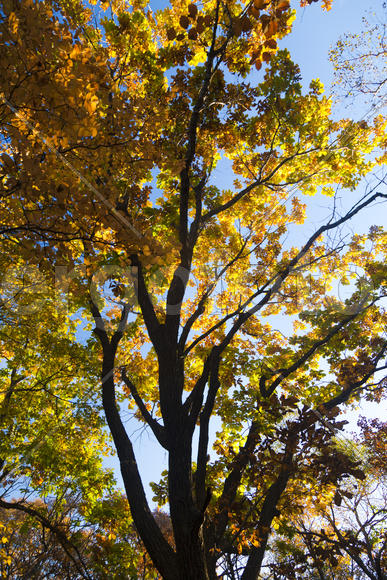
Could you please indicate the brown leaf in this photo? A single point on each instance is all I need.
(192, 10)
(272, 28)
(184, 21)
(254, 56)
(246, 24)
(359, 474)
(199, 26)
(7, 161)
(237, 27)
(271, 43)
(283, 5)
(192, 34)
(171, 33)
(254, 12)
(265, 19)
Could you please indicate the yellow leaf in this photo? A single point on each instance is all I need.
(199, 57)
(76, 51)
(13, 23)
(91, 103)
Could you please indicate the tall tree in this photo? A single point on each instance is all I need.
(117, 123)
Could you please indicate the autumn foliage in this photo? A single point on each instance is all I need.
(157, 167)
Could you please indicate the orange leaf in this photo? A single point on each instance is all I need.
(283, 5)
(261, 4)
(272, 28)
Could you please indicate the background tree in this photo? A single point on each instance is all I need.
(52, 439)
(114, 124)
(358, 60)
(66, 538)
(342, 534)
(50, 420)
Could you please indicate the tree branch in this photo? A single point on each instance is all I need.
(284, 273)
(233, 479)
(157, 429)
(217, 210)
(346, 393)
(154, 327)
(268, 512)
(176, 290)
(285, 372)
(203, 299)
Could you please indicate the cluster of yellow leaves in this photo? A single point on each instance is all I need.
(5, 558)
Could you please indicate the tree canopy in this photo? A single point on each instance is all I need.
(156, 172)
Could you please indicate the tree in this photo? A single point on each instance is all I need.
(113, 125)
(345, 535)
(358, 60)
(52, 439)
(38, 543)
(65, 539)
(50, 417)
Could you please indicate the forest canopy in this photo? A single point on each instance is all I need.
(160, 260)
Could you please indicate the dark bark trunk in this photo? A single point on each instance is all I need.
(186, 518)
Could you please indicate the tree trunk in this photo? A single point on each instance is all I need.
(186, 518)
